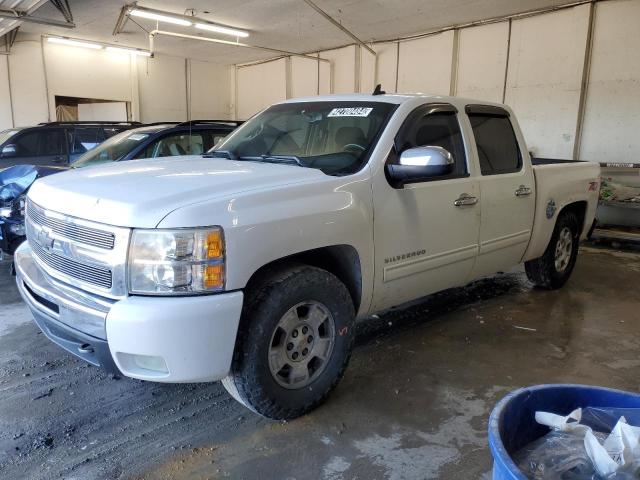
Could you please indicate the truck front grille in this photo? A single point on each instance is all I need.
(100, 277)
(72, 231)
(86, 255)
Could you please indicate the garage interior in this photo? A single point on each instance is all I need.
(423, 378)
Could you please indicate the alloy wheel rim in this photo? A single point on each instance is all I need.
(564, 248)
(301, 344)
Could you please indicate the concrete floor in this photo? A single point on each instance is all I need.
(413, 405)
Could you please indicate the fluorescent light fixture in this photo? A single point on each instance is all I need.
(225, 30)
(130, 51)
(159, 17)
(74, 43)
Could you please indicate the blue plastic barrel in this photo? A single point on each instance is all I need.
(512, 424)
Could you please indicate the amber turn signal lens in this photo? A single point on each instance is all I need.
(213, 276)
(214, 245)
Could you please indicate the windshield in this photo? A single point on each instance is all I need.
(6, 134)
(335, 137)
(114, 148)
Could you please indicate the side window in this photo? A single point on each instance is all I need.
(174, 145)
(438, 129)
(52, 142)
(497, 145)
(27, 144)
(84, 139)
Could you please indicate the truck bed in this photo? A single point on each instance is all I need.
(560, 183)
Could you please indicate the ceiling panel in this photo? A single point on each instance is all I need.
(282, 24)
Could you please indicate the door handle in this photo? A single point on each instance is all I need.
(523, 191)
(465, 199)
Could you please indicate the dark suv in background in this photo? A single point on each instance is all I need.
(55, 143)
(166, 139)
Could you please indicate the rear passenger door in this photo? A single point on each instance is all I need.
(506, 190)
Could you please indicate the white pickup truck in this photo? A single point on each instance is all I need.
(251, 264)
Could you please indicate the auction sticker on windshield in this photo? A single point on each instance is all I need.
(350, 112)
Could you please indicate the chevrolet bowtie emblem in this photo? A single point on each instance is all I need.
(44, 240)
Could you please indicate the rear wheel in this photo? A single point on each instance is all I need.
(294, 342)
(554, 268)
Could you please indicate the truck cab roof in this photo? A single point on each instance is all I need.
(398, 98)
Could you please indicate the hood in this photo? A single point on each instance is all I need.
(140, 193)
(16, 180)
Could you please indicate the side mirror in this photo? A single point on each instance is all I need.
(9, 150)
(419, 164)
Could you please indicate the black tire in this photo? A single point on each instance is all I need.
(542, 272)
(251, 381)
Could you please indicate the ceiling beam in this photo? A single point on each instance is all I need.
(286, 53)
(64, 8)
(340, 26)
(23, 16)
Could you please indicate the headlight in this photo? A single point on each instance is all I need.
(5, 212)
(176, 262)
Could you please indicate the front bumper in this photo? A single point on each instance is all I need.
(162, 339)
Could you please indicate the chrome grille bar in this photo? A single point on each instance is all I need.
(100, 277)
(71, 231)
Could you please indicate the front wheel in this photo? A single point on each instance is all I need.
(294, 343)
(553, 269)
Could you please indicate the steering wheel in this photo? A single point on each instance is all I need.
(353, 147)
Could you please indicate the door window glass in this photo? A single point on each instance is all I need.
(440, 129)
(27, 144)
(51, 143)
(496, 142)
(84, 139)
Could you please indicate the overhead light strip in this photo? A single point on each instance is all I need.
(186, 21)
(72, 42)
(160, 17)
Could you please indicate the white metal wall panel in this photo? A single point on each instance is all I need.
(5, 97)
(546, 62)
(367, 71)
(258, 86)
(343, 69)
(28, 85)
(387, 65)
(482, 61)
(325, 78)
(304, 77)
(163, 89)
(612, 115)
(209, 90)
(80, 72)
(425, 64)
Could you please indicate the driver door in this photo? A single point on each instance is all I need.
(426, 241)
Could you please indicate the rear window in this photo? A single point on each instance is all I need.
(497, 145)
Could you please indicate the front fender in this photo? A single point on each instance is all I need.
(263, 226)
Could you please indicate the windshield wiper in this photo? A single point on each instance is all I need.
(285, 159)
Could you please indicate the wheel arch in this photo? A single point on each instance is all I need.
(578, 208)
(343, 261)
